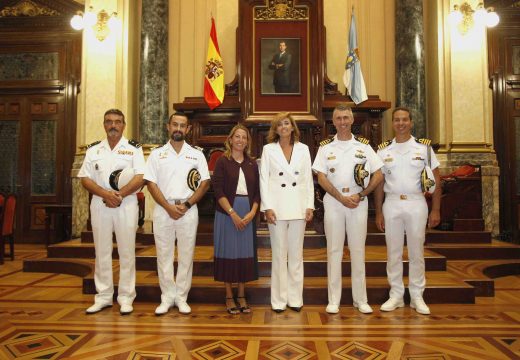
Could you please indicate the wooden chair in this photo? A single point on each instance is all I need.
(8, 217)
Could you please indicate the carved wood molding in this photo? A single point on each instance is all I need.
(281, 10)
(28, 8)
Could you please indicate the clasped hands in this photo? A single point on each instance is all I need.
(350, 201)
(241, 223)
(176, 211)
(112, 199)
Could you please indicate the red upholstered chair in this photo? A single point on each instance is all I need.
(214, 154)
(8, 216)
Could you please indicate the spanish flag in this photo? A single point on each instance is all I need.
(214, 73)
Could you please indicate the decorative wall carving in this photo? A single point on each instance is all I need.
(281, 10)
(27, 8)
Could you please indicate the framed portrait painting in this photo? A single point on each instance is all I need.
(280, 66)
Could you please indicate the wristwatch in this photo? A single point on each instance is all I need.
(361, 196)
(187, 204)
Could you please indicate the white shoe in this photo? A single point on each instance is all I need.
(97, 307)
(126, 309)
(183, 306)
(332, 309)
(420, 306)
(364, 308)
(391, 304)
(162, 309)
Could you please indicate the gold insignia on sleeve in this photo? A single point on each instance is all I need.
(326, 141)
(424, 141)
(93, 144)
(362, 140)
(193, 179)
(384, 144)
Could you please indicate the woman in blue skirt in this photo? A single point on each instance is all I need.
(236, 185)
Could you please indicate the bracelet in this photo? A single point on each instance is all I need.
(187, 204)
(231, 211)
(361, 196)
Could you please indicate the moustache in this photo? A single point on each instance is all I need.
(113, 130)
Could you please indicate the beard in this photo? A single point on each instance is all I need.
(177, 136)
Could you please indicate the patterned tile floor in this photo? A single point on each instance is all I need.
(42, 317)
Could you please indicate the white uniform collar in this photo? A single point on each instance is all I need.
(120, 143)
(185, 147)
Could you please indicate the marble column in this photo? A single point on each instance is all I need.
(153, 84)
(409, 52)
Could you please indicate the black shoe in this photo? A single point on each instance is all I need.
(278, 310)
(296, 308)
(232, 310)
(244, 307)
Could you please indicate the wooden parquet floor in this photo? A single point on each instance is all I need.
(42, 317)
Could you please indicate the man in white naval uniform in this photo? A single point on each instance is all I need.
(113, 211)
(346, 206)
(178, 177)
(405, 209)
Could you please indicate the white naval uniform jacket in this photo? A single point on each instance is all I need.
(169, 170)
(337, 160)
(403, 164)
(286, 187)
(100, 161)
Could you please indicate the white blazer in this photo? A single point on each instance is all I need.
(286, 188)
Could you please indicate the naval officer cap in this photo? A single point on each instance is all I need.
(362, 174)
(119, 178)
(427, 180)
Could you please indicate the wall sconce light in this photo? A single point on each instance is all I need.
(101, 23)
(464, 17)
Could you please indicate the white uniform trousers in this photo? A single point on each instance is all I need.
(166, 230)
(123, 221)
(287, 263)
(338, 221)
(410, 217)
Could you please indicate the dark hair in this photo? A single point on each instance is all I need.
(178, 113)
(402, 108)
(115, 112)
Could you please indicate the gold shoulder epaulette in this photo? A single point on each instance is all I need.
(135, 143)
(384, 144)
(198, 148)
(362, 140)
(93, 144)
(423, 141)
(326, 141)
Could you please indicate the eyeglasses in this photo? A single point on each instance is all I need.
(114, 122)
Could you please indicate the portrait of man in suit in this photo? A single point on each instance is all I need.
(280, 66)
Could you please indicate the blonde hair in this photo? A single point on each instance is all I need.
(227, 143)
(273, 135)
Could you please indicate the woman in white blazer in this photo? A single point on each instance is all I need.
(287, 198)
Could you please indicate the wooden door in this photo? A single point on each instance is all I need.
(504, 71)
(40, 66)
